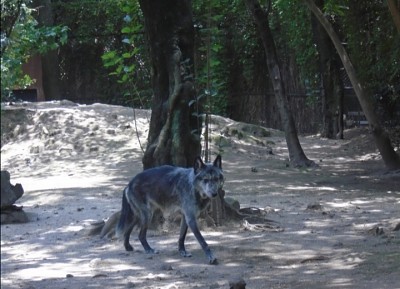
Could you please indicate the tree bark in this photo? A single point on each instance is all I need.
(297, 156)
(382, 140)
(174, 135)
(50, 63)
(394, 10)
(330, 74)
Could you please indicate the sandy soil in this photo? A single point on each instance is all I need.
(73, 162)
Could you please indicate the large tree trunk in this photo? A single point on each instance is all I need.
(174, 135)
(296, 153)
(382, 140)
(50, 64)
(330, 74)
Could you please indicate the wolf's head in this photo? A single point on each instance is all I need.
(209, 178)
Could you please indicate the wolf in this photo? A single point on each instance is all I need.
(165, 187)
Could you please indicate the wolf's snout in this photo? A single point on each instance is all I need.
(214, 194)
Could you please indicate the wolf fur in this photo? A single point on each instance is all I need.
(189, 189)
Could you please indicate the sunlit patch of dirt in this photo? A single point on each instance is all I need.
(73, 161)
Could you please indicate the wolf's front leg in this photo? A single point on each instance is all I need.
(182, 236)
(192, 223)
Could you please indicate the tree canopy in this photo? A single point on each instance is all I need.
(22, 38)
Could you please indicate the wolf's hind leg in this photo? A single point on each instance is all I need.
(143, 240)
(143, 233)
(182, 236)
(127, 234)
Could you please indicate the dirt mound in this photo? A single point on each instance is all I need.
(37, 135)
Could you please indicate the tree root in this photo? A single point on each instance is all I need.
(251, 218)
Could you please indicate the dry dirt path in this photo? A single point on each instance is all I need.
(73, 162)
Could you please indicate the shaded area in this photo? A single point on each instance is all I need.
(338, 219)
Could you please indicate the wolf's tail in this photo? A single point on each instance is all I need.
(126, 218)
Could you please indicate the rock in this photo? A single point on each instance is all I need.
(238, 283)
(166, 267)
(10, 213)
(9, 193)
(100, 275)
(65, 102)
(13, 215)
(314, 206)
(94, 149)
(35, 150)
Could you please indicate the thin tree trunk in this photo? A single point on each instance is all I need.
(394, 10)
(174, 135)
(330, 71)
(50, 63)
(339, 92)
(297, 156)
(389, 156)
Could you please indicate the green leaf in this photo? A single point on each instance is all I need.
(126, 55)
(108, 55)
(126, 30)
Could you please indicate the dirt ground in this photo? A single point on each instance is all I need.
(73, 162)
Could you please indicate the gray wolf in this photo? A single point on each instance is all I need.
(164, 187)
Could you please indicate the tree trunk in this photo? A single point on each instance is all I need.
(296, 153)
(330, 74)
(50, 64)
(174, 135)
(389, 156)
(394, 10)
(339, 91)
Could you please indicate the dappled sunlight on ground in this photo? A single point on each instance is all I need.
(74, 162)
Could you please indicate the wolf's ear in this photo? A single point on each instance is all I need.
(198, 165)
(218, 162)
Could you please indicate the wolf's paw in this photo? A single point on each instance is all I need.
(184, 253)
(152, 251)
(128, 248)
(212, 260)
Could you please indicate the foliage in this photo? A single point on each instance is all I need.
(95, 27)
(225, 38)
(373, 43)
(106, 53)
(208, 61)
(295, 32)
(375, 49)
(21, 38)
(129, 61)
